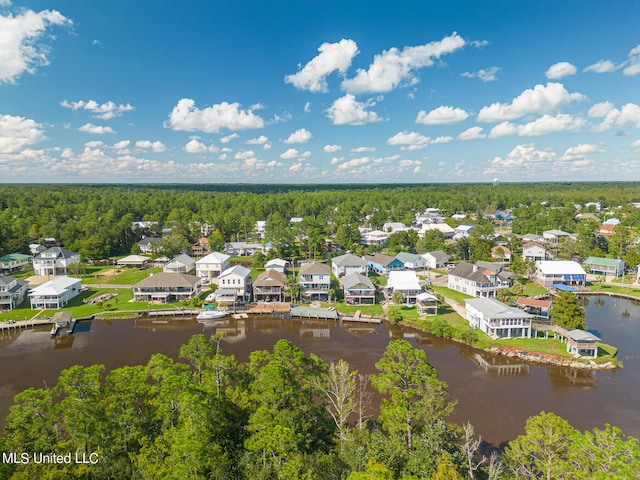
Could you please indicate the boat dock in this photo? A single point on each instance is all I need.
(174, 312)
(358, 317)
(314, 312)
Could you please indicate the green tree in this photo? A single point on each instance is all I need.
(416, 396)
(397, 298)
(172, 245)
(567, 313)
(543, 451)
(431, 241)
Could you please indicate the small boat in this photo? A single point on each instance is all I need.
(209, 314)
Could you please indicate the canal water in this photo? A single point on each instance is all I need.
(495, 395)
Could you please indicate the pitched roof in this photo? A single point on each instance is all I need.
(610, 262)
(532, 302)
(440, 255)
(165, 279)
(315, 267)
(237, 270)
(270, 278)
(348, 259)
(469, 271)
(407, 280)
(354, 279)
(561, 267)
(379, 258)
(496, 309)
(182, 259)
(54, 287)
(215, 257)
(406, 257)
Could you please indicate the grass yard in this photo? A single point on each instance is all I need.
(351, 309)
(532, 289)
(452, 294)
(596, 287)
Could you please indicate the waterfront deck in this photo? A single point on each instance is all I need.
(314, 312)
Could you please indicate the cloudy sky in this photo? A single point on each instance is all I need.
(312, 91)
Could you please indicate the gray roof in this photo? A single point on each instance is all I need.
(466, 270)
(348, 259)
(440, 255)
(496, 309)
(164, 279)
(60, 252)
(582, 336)
(237, 269)
(149, 240)
(379, 258)
(405, 257)
(315, 267)
(182, 259)
(353, 279)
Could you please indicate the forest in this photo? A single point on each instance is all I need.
(96, 220)
(285, 415)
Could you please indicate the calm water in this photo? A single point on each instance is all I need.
(495, 397)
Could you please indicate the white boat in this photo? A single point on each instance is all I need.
(209, 314)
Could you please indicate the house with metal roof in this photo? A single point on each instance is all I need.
(436, 259)
(212, 265)
(427, 304)
(473, 280)
(609, 267)
(405, 282)
(358, 289)
(14, 261)
(277, 264)
(181, 264)
(581, 343)
(411, 261)
(236, 279)
(497, 319)
(383, 264)
(55, 293)
(561, 272)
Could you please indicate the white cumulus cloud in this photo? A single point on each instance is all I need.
(473, 133)
(409, 140)
(261, 140)
(22, 48)
(331, 148)
(302, 135)
(442, 116)
(524, 156)
(442, 139)
(603, 66)
(185, 116)
(96, 129)
(17, 133)
(348, 111)
(395, 68)
(156, 146)
(579, 152)
(486, 75)
(195, 146)
(561, 70)
(544, 125)
(294, 153)
(104, 111)
(332, 57)
(363, 149)
(228, 138)
(633, 67)
(540, 99)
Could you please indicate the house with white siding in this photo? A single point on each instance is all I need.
(411, 261)
(212, 265)
(473, 280)
(497, 319)
(55, 261)
(234, 285)
(348, 263)
(13, 291)
(358, 289)
(405, 282)
(13, 262)
(166, 287)
(564, 272)
(436, 259)
(55, 293)
(181, 264)
(534, 251)
(315, 280)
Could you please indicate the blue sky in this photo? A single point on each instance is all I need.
(319, 91)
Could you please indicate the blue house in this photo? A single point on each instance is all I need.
(383, 264)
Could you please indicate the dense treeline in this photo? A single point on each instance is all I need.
(96, 220)
(283, 415)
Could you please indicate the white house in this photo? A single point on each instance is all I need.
(146, 245)
(260, 228)
(14, 261)
(277, 264)
(243, 249)
(358, 289)
(315, 280)
(437, 259)
(181, 264)
(12, 292)
(564, 272)
(497, 319)
(374, 237)
(463, 231)
(55, 293)
(473, 280)
(446, 230)
(55, 261)
(606, 266)
(534, 251)
(212, 265)
(554, 236)
(234, 282)
(393, 227)
(405, 282)
(411, 261)
(427, 303)
(348, 263)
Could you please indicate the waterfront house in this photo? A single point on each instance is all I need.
(133, 261)
(269, 286)
(540, 309)
(411, 261)
(564, 272)
(181, 264)
(497, 319)
(55, 293)
(234, 282)
(315, 280)
(582, 344)
(358, 289)
(436, 259)
(609, 267)
(405, 282)
(427, 304)
(534, 251)
(277, 264)
(348, 263)
(14, 261)
(212, 265)
(148, 245)
(12, 292)
(383, 264)
(55, 261)
(473, 280)
(166, 287)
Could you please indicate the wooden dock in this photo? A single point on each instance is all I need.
(358, 317)
(314, 312)
(174, 312)
(20, 324)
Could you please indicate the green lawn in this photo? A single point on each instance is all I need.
(452, 294)
(351, 309)
(596, 287)
(532, 289)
